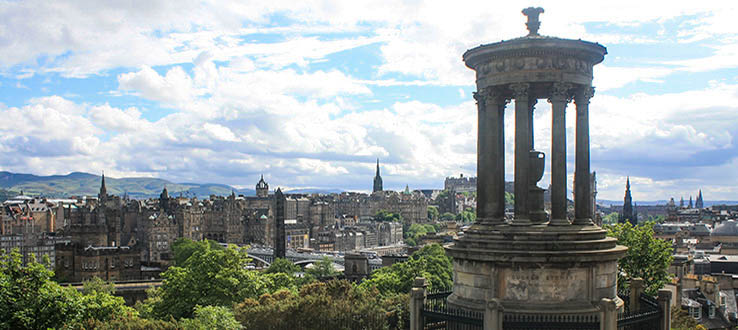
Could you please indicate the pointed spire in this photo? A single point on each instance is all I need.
(377, 180)
(627, 183)
(103, 191)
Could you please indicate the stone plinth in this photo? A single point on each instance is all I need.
(535, 269)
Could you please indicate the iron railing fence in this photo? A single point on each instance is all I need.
(646, 317)
(520, 321)
(438, 315)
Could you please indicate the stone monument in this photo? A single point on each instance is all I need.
(535, 263)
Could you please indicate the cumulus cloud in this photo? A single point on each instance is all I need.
(258, 87)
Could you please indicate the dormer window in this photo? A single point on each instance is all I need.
(695, 312)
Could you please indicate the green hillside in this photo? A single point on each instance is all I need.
(76, 184)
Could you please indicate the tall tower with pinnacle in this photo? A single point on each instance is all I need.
(103, 194)
(690, 202)
(262, 188)
(377, 180)
(699, 203)
(628, 205)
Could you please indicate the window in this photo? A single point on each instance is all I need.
(695, 312)
(712, 311)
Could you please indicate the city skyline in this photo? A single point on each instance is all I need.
(311, 94)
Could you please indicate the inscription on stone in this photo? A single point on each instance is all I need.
(546, 285)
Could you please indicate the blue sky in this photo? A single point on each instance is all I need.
(310, 94)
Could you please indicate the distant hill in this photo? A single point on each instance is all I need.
(707, 203)
(77, 184)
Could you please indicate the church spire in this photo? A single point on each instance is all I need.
(103, 191)
(377, 180)
(699, 203)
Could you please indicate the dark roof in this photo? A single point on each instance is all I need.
(727, 228)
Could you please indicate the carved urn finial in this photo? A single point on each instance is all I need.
(533, 23)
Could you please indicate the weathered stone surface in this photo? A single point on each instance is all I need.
(531, 265)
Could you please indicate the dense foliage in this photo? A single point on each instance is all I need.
(468, 215)
(211, 277)
(30, 299)
(433, 213)
(417, 230)
(384, 215)
(335, 304)
(647, 257)
(210, 287)
(183, 248)
(430, 262)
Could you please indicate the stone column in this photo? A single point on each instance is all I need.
(559, 99)
(532, 106)
(522, 153)
(636, 289)
(490, 156)
(609, 314)
(493, 314)
(664, 299)
(417, 299)
(582, 202)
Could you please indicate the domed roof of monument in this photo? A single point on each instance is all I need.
(535, 42)
(727, 228)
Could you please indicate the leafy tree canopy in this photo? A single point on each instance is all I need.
(384, 215)
(433, 212)
(467, 216)
(183, 248)
(282, 265)
(211, 277)
(322, 269)
(430, 262)
(335, 304)
(647, 257)
(30, 299)
(448, 216)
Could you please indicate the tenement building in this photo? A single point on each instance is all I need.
(535, 263)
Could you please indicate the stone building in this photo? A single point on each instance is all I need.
(460, 184)
(76, 263)
(262, 188)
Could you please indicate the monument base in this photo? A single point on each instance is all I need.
(535, 269)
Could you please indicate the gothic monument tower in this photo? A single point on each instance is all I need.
(535, 263)
(628, 206)
(377, 180)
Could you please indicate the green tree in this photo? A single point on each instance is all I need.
(448, 216)
(183, 248)
(430, 262)
(335, 304)
(30, 299)
(211, 317)
(611, 218)
(509, 199)
(433, 212)
(209, 277)
(282, 265)
(467, 216)
(647, 257)
(323, 268)
(384, 215)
